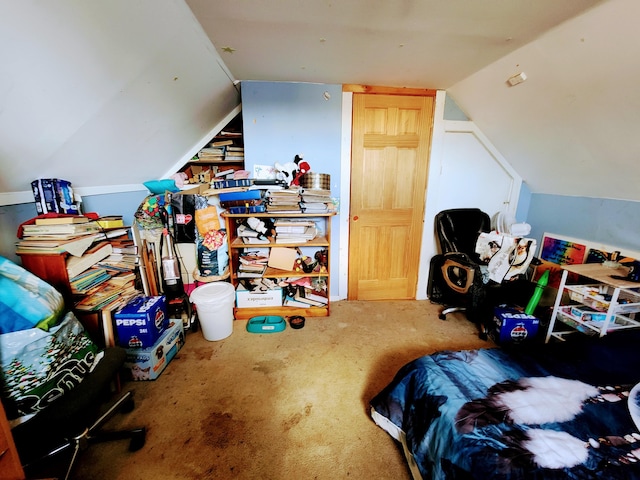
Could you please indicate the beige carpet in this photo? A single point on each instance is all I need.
(289, 405)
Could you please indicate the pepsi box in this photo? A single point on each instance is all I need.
(141, 322)
(512, 325)
(149, 363)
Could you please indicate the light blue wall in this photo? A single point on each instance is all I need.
(612, 222)
(524, 202)
(281, 120)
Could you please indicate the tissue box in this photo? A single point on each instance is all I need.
(511, 325)
(149, 363)
(140, 323)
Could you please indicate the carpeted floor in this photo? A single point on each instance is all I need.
(289, 405)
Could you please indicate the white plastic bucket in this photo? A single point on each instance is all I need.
(214, 304)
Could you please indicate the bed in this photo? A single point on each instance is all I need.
(552, 411)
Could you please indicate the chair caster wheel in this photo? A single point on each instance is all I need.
(137, 439)
(128, 405)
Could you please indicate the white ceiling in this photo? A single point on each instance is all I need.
(577, 110)
(406, 43)
(111, 94)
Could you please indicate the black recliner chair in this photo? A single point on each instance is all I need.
(455, 277)
(74, 421)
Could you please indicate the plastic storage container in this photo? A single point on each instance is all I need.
(214, 304)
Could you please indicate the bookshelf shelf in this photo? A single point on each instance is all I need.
(225, 151)
(237, 247)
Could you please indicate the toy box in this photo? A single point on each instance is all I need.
(258, 298)
(512, 325)
(149, 363)
(140, 323)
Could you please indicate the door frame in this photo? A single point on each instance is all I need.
(345, 173)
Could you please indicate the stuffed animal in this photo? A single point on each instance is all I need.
(291, 172)
(303, 167)
(287, 172)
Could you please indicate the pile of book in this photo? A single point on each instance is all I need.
(250, 236)
(304, 292)
(283, 200)
(96, 279)
(315, 200)
(233, 153)
(211, 154)
(124, 255)
(295, 230)
(252, 264)
(71, 234)
(113, 293)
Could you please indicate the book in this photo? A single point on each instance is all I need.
(111, 221)
(220, 143)
(301, 297)
(75, 245)
(60, 220)
(77, 265)
(69, 228)
(242, 195)
(292, 302)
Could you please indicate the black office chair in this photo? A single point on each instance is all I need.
(455, 277)
(74, 421)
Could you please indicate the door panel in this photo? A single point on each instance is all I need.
(390, 153)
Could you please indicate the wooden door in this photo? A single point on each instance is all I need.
(391, 138)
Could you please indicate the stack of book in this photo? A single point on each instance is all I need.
(315, 200)
(88, 280)
(234, 153)
(124, 256)
(112, 294)
(283, 201)
(73, 235)
(252, 264)
(243, 201)
(303, 293)
(78, 264)
(250, 236)
(211, 154)
(295, 230)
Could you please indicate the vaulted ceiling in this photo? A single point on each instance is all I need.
(111, 94)
(570, 128)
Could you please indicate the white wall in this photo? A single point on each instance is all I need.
(106, 95)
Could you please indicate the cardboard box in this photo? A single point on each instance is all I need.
(141, 322)
(260, 298)
(53, 195)
(511, 325)
(149, 363)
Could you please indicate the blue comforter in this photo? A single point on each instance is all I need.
(552, 412)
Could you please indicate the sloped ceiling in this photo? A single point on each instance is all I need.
(569, 129)
(110, 94)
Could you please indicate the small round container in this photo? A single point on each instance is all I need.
(296, 322)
